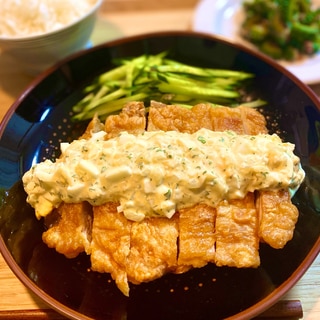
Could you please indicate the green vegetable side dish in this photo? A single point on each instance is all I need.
(282, 29)
(155, 77)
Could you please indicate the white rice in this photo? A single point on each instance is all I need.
(20, 18)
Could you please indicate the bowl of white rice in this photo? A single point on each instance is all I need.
(38, 33)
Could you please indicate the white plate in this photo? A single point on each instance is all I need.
(223, 18)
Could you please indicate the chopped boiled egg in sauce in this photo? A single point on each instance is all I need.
(157, 173)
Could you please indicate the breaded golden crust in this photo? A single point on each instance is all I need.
(95, 125)
(153, 249)
(233, 251)
(110, 245)
(253, 122)
(242, 120)
(237, 242)
(70, 232)
(174, 118)
(278, 217)
(136, 252)
(131, 119)
(196, 237)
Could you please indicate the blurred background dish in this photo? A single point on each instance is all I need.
(40, 47)
(42, 115)
(224, 18)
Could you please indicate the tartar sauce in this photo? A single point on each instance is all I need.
(157, 173)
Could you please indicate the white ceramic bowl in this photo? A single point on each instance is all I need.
(38, 52)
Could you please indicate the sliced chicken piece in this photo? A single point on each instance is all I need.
(227, 119)
(278, 217)
(237, 221)
(110, 245)
(131, 119)
(175, 118)
(132, 251)
(196, 237)
(69, 226)
(242, 120)
(69, 229)
(172, 117)
(153, 250)
(240, 217)
(237, 242)
(253, 121)
(95, 125)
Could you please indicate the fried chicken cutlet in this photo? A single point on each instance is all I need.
(111, 243)
(69, 229)
(242, 120)
(132, 118)
(143, 251)
(277, 215)
(236, 224)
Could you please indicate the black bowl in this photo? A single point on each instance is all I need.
(40, 119)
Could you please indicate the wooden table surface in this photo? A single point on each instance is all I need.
(118, 18)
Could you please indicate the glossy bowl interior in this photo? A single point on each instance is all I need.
(40, 119)
(36, 53)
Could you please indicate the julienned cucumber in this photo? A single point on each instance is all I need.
(155, 77)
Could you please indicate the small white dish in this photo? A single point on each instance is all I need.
(223, 18)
